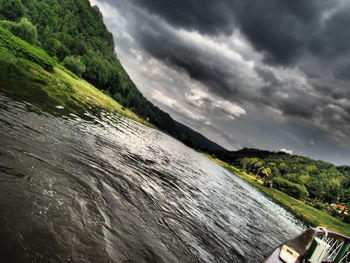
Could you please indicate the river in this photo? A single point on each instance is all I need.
(102, 188)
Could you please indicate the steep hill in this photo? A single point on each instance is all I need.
(73, 32)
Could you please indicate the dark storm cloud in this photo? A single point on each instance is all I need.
(206, 16)
(280, 29)
(343, 72)
(163, 43)
(331, 38)
(285, 58)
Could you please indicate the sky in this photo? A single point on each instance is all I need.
(271, 74)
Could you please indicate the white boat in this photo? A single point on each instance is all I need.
(315, 245)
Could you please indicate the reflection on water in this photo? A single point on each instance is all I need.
(106, 189)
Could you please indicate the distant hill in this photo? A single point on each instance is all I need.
(192, 138)
(231, 156)
(73, 32)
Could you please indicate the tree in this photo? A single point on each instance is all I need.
(244, 163)
(265, 173)
(292, 189)
(275, 172)
(252, 164)
(23, 29)
(11, 10)
(311, 169)
(75, 64)
(256, 166)
(284, 168)
(55, 48)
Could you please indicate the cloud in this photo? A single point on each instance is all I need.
(224, 63)
(278, 28)
(286, 151)
(203, 100)
(312, 142)
(173, 104)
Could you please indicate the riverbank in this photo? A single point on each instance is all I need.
(308, 214)
(31, 75)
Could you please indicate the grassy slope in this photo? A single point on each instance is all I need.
(307, 213)
(33, 76)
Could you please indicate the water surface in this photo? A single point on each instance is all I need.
(106, 189)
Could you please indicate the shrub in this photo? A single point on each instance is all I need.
(290, 188)
(21, 49)
(11, 9)
(335, 212)
(319, 206)
(75, 64)
(346, 219)
(24, 29)
(55, 48)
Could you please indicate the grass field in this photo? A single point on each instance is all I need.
(305, 212)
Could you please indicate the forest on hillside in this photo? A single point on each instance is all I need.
(320, 183)
(74, 34)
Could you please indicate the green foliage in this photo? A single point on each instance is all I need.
(346, 195)
(75, 64)
(19, 48)
(347, 219)
(11, 9)
(55, 48)
(319, 205)
(323, 181)
(23, 29)
(24, 80)
(290, 188)
(310, 215)
(264, 172)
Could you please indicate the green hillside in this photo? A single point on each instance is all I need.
(29, 74)
(301, 208)
(319, 183)
(74, 34)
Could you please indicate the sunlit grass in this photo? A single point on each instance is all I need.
(87, 93)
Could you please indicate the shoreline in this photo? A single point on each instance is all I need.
(302, 211)
(34, 76)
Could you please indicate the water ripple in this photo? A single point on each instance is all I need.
(106, 189)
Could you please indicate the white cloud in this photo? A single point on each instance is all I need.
(201, 99)
(286, 151)
(174, 105)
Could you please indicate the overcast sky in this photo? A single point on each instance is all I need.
(266, 74)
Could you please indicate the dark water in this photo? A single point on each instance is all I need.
(106, 189)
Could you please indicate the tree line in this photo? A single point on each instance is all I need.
(317, 182)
